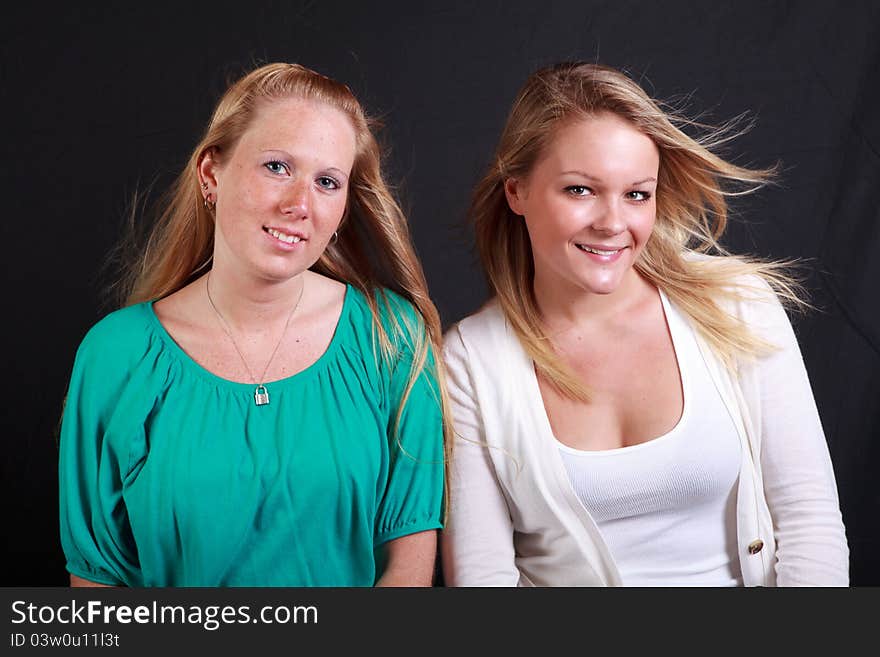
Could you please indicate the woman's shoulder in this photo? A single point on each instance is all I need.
(748, 296)
(117, 346)
(755, 301)
(731, 268)
(747, 288)
(393, 306)
(119, 330)
(484, 335)
(486, 323)
(378, 326)
(395, 312)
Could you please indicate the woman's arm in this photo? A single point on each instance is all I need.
(410, 508)
(93, 459)
(477, 544)
(798, 476)
(410, 560)
(80, 582)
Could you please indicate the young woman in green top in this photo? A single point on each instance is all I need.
(266, 409)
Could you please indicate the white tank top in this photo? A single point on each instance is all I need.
(667, 507)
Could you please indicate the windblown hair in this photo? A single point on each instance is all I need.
(692, 190)
(373, 250)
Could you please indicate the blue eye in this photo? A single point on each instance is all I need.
(276, 167)
(326, 182)
(578, 190)
(639, 196)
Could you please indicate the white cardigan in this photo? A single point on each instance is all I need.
(515, 520)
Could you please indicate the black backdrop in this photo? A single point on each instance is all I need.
(100, 101)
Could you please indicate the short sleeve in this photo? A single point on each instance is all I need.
(413, 497)
(95, 532)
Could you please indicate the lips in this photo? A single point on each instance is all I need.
(605, 251)
(292, 237)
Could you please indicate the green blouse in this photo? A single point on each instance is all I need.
(172, 476)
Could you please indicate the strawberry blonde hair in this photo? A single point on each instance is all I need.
(373, 250)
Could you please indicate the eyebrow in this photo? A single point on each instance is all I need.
(595, 179)
(290, 157)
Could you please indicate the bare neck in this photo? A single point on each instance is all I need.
(564, 306)
(250, 307)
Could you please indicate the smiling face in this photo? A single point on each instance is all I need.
(282, 190)
(589, 205)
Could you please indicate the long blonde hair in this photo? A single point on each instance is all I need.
(373, 250)
(692, 190)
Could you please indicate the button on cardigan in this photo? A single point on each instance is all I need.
(515, 520)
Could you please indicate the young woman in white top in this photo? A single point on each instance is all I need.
(628, 409)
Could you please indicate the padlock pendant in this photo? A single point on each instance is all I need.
(261, 396)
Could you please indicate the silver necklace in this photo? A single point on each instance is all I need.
(261, 394)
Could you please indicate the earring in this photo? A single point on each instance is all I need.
(209, 204)
(205, 186)
(335, 237)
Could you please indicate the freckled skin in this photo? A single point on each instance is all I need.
(289, 171)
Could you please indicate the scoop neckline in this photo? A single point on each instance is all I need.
(686, 394)
(237, 386)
